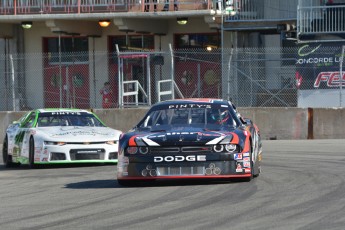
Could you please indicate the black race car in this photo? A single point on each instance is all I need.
(190, 139)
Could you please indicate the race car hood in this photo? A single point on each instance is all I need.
(78, 133)
(183, 136)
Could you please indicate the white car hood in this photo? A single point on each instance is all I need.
(79, 133)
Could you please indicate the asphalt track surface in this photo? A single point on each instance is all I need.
(301, 187)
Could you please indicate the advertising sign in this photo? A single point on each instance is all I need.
(318, 66)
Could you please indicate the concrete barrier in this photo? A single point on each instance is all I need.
(329, 123)
(279, 123)
(274, 123)
(121, 119)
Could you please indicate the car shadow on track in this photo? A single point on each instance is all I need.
(53, 166)
(102, 184)
(93, 184)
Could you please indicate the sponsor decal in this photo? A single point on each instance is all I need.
(247, 170)
(246, 159)
(239, 168)
(306, 50)
(76, 132)
(200, 106)
(332, 79)
(246, 154)
(179, 158)
(65, 113)
(246, 164)
(180, 133)
(238, 156)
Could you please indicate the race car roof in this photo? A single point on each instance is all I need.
(195, 100)
(45, 110)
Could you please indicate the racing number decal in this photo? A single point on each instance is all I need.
(19, 137)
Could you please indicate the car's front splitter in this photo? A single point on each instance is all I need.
(216, 169)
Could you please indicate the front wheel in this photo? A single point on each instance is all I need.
(32, 153)
(7, 159)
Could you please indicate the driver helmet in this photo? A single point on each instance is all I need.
(220, 117)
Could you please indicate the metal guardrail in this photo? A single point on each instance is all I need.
(257, 10)
(20, 7)
(321, 19)
(171, 91)
(127, 92)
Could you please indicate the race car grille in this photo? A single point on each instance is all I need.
(180, 171)
(193, 149)
(87, 154)
(184, 149)
(164, 149)
(112, 155)
(57, 156)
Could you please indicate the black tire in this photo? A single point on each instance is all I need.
(32, 153)
(7, 159)
(258, 169)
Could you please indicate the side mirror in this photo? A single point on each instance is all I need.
(247, 121)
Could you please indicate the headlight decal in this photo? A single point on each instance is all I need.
(246, 147)
(215, 140)
(227, 139)
(132, 142)
(235, 139)
(139, 141)
(150, 142)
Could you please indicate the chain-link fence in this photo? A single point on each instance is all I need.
(303, 76)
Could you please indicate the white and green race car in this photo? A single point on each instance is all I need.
(50, 136)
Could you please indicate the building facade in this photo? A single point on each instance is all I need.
(59, 53)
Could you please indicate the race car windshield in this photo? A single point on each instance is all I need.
(209, 118)
(48, 120)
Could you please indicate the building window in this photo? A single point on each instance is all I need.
(134, 42)
(204, 41)
(73, 49)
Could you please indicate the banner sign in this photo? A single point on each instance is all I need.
(318, 66)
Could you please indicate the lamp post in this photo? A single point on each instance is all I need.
(341, 75)
(228, 9)
(59, 32)
(93, 67)
(71, 103)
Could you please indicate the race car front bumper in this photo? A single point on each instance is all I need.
(212, 166)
